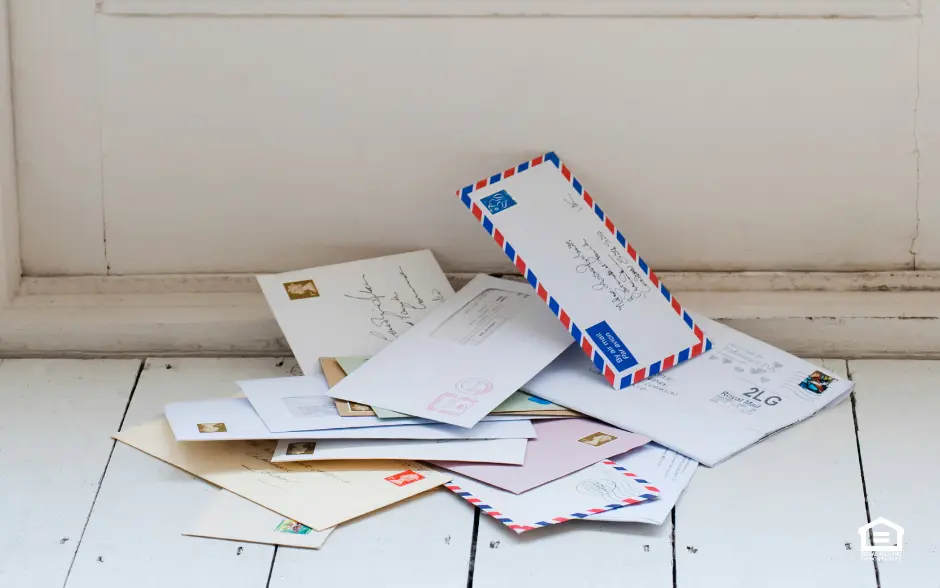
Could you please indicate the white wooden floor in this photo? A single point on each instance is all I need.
(76, 511)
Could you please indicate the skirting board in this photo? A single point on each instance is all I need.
(851, 315)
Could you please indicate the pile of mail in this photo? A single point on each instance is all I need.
(584, 390)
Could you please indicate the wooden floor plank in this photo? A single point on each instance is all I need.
(421, 543)
(577, 554)
(781, 514)
(133, 536)
(897, 404)
(55, 425)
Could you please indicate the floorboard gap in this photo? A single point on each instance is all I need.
(672, 538)
(271, 570)
(473, 546)
(861, 469)
(104, 472)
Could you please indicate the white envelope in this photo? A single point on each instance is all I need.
(592, 279)
(353, 308)
(300, 403)
(229, 516)
(502, 451)
(232, 419)
(672, 472)
(465, 358)
(708, 409)
(598, 488)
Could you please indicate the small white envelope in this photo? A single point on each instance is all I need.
(353, 308)
(708, 409)
(502, 451)
(598, 488)
(232, 419)
(229, 516)
(475, 351)
(300, 403)
(592, 279)
(672, 472)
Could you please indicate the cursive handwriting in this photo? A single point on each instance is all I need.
(436, 295)
(382, 318)
(572, 203)
(622, 284)
(390, 312)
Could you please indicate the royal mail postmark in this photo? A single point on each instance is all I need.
(476, 386)
(451, 404)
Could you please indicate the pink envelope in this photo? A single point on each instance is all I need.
(562, 447)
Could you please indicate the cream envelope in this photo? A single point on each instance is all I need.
(511, 451)
(232, 419)
(229, 516)
(320, 495)
(595, 489)
(672, 473)
(300, 403)
(582, 267)
(476, 349)
(353, 308)
(735, 395)
(562, 447)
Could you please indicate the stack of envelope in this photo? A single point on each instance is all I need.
(584, 390)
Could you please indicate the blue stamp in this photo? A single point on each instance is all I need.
(607, 341)
(497, 202)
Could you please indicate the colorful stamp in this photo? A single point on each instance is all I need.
(597, 439)
(817, 382)
(451, 404)
(301, 448)
(498, 201)
(293, 527)
(404, 478)
(476, 386)
(302, 289)
(212, 428)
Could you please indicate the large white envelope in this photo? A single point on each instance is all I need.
(353, 308)
(474, 351)
(229, 516)
(232, 419)
(300, 403)
(571, 253)
(502, 451)
(672, 473)
(598, 488)
(738, 393)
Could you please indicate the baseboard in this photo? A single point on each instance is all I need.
(855, 315)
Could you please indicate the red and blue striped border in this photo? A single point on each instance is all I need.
(651, 493)
(600, 362)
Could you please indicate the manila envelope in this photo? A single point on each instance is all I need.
(519, 404)
(562, 447)
(482, 344)
(318, 494)
(229, 516)
(603, 293)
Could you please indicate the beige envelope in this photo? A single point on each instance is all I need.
(317, 494)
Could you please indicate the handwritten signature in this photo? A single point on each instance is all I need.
(571, 202)
(392, 307)
(623, 284)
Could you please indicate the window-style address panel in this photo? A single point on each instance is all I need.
(526, 8)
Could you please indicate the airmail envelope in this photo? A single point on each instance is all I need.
(318, 494)
(233, 419)
(583, 268)
(562, 447)
(353, 308)
(730, 398)
(476, 350)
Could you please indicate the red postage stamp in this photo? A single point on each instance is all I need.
(404, 478)
(451, 404)
(477, 386)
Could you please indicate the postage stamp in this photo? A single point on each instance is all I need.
(212, 428)
(293, 527)
(301, 289)
(301, 448)
(498, 201)
(476, 386)
(451, 404)
(817, 382)
(404, 478)
(597, 439)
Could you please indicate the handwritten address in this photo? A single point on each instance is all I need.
(610, 273)
(390, 312)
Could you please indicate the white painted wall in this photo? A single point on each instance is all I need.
(247, 143)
